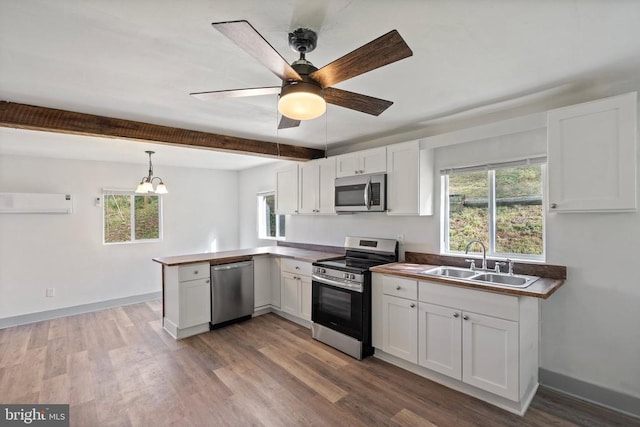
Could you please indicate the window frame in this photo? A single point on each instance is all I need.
(492, 209)
(132, 195)
(261, 226)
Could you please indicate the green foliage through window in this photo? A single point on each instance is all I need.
(270, 225)
(502, 208)
(119, 217)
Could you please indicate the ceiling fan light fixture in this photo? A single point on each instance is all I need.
(302, 101)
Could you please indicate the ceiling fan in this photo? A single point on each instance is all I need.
(305, 89)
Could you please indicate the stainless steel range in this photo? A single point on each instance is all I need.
(341, 295)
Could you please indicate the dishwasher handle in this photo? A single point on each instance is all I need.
(230, 266)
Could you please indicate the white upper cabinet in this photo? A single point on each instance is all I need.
(287, 190)
(592, 156)
(409, 179)
(317, 182)
(369, 161)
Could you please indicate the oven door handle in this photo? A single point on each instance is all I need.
(342, 285)
(367, 191)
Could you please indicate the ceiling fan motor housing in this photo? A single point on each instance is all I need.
(303, 40)
(303, 68)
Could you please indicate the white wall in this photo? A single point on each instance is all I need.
(591, 326)
(251, 182)
(66, 252)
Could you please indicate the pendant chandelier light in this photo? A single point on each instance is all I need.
(146, 184)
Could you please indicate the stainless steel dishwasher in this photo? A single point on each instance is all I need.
(231, 292)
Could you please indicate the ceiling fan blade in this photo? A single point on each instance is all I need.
(237, 93)
(382, 51)
(286, 123)
(356, 101)
(244, 35)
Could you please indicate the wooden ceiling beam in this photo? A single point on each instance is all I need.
(21, 116)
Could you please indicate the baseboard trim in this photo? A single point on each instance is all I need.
(24, 319)
(593, 393)
(292, 318)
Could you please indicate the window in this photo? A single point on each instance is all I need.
(500, 205)
(123, 224)
(270, 225)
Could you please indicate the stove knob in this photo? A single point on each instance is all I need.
(323, 270)
(353, 277)
(346, 276)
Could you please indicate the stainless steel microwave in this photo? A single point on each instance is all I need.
(361, 193)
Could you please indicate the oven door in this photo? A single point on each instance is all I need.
(338, 308)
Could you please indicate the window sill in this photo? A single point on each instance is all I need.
(130, 242)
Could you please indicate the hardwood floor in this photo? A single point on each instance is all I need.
(117, 367)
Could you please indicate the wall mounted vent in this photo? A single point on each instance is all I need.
(36, 203)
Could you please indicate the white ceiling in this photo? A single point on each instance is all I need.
(138, 60)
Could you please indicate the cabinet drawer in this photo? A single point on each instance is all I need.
(193, 272)
(487, 303)
(400, 287)
(297, 267)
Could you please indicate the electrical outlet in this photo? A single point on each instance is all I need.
(51, 292)
(98, 201)
(400, 238)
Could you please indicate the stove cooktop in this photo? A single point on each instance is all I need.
(348, 264)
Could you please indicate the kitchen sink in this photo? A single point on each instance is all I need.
(461, 273)
(482, 277)
(505, 279)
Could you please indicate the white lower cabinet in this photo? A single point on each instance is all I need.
(481, 343)
(187, 299)
(195, 303)
(305, 297)
(490, 354)
(261, 282)
(290, 294)
(400, 328)
(479, 350)
(266, 283)
(275, 282)
(295, 288)
(440, 339)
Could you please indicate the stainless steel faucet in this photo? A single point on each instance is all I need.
(484, 252)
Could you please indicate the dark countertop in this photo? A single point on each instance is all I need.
(246, 254)
(542, 288)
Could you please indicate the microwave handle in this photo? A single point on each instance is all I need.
(367, 191)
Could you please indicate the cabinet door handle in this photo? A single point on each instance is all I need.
(412, 305)
(207, 281)
(398, 288)
(456, 315)
(465, 317)
(195, 272)
(297, 267)
(553, 205)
